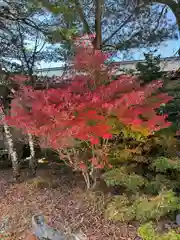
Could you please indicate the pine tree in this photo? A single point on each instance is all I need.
(150, 69)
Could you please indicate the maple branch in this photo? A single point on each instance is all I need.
(86, 179)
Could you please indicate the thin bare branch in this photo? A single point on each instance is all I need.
(117, 30)
(82, 17)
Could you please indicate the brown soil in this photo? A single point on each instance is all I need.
(64, 203)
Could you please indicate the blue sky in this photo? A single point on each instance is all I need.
(166, 49)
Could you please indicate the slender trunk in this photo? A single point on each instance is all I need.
(97, 43)
(12, 152)
(32, 160)
(90, 179)
(87, 180)
(93, 175)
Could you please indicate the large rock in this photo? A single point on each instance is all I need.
(43, 231)
(178, 219)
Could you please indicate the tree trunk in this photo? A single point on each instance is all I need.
(12, 152)
(90, 178)
(32, 159)
(98, 28)
(87, 180)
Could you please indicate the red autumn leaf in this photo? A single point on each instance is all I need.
(107, 136)
(110, 166)
(94, 140)
(178, 133)
(83, 166)
(100, 166)
(94, 161)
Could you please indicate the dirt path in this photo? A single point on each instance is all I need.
(63, 203)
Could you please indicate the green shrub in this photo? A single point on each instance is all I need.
(162, 164)
(119, 156)
(142, 167)
(173, 107)
(142, 208)
(153, 208)
(167, 144)
(119, 209)
(158, 182)
(119, 176)
(147, 232)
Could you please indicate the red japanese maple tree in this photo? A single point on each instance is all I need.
(77, 114)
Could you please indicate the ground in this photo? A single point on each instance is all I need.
(64, 203)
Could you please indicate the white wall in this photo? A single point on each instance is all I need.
(167, 64)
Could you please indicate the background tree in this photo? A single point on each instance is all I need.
(173, 5)
(23, 29)
(150, 69)
(118, 25)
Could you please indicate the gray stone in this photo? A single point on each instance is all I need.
(4, 225)
(79, 236)
(138, 238)
(167, 226)
(43, 231)
(178, 219)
